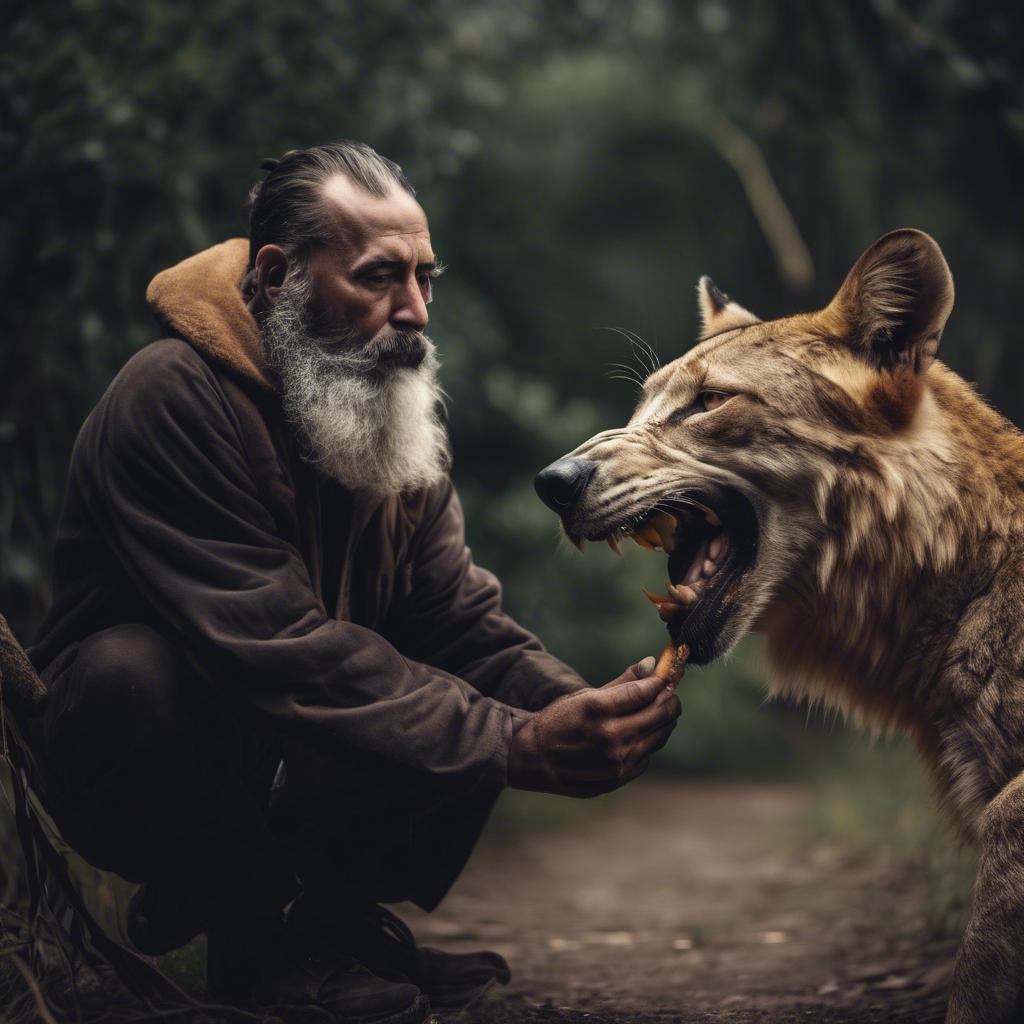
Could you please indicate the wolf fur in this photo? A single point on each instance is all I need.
(889, 576)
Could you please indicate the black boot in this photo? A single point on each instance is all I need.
(278, 965)
(383, 942)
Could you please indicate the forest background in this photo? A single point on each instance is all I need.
(581, 163)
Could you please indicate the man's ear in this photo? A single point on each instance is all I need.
(269, 272)
(718, 312)
(894, 303)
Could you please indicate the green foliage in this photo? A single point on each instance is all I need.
(874, 801)
(582, 163)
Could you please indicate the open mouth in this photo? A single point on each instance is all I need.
(711, 543)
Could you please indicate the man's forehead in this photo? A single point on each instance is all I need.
(394, 224)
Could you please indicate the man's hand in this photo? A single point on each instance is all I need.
(593, 741)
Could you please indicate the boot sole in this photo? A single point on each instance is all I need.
(460, 998)
(310, 1013)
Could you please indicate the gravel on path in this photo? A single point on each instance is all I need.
(678, 901)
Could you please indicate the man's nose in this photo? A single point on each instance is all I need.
(562, 484)
(410, 311)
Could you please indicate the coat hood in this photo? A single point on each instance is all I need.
(200, 299)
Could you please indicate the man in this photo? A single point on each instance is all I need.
(280, 691)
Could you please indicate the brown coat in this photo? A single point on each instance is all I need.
(361, 625)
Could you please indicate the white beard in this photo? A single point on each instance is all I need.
(372, 428)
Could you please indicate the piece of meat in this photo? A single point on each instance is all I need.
(672, 664)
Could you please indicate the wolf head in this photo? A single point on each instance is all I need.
(783, 465)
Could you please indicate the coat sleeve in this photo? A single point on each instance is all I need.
(173, 495)
(453, 618)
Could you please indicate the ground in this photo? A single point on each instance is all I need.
(672, 901)
(681, 901)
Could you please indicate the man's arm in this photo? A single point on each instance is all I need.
(453, 618)
(577, 741)
(171, 490)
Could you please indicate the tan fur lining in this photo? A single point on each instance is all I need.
(201, 299)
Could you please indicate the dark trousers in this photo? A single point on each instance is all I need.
(155, 774)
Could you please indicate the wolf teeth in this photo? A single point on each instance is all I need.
(657, 533)
(652, 537)
(669, 604)
(658, 530)
(664, 525)
(684, 595)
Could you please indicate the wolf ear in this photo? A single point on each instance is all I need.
(718, 312)
(894, 303)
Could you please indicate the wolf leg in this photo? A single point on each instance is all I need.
(990, 962)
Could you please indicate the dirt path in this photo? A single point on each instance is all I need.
(681, 902)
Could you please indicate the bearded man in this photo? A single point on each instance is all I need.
(280, 691)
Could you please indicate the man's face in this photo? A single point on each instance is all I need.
(344, 334)
(376, 277)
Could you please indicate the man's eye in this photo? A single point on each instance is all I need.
(377, 280)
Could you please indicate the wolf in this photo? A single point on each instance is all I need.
(824, 480)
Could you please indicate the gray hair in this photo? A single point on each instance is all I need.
(286, 208)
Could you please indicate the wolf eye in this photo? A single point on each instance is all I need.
(711, 400)
(706, 401)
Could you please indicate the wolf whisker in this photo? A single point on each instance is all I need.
(642, 350)
(645, 357)
(628, 380)
(630, 373)
(646, 350)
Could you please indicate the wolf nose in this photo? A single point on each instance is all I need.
(562, 484)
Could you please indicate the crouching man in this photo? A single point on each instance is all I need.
(281, 693)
